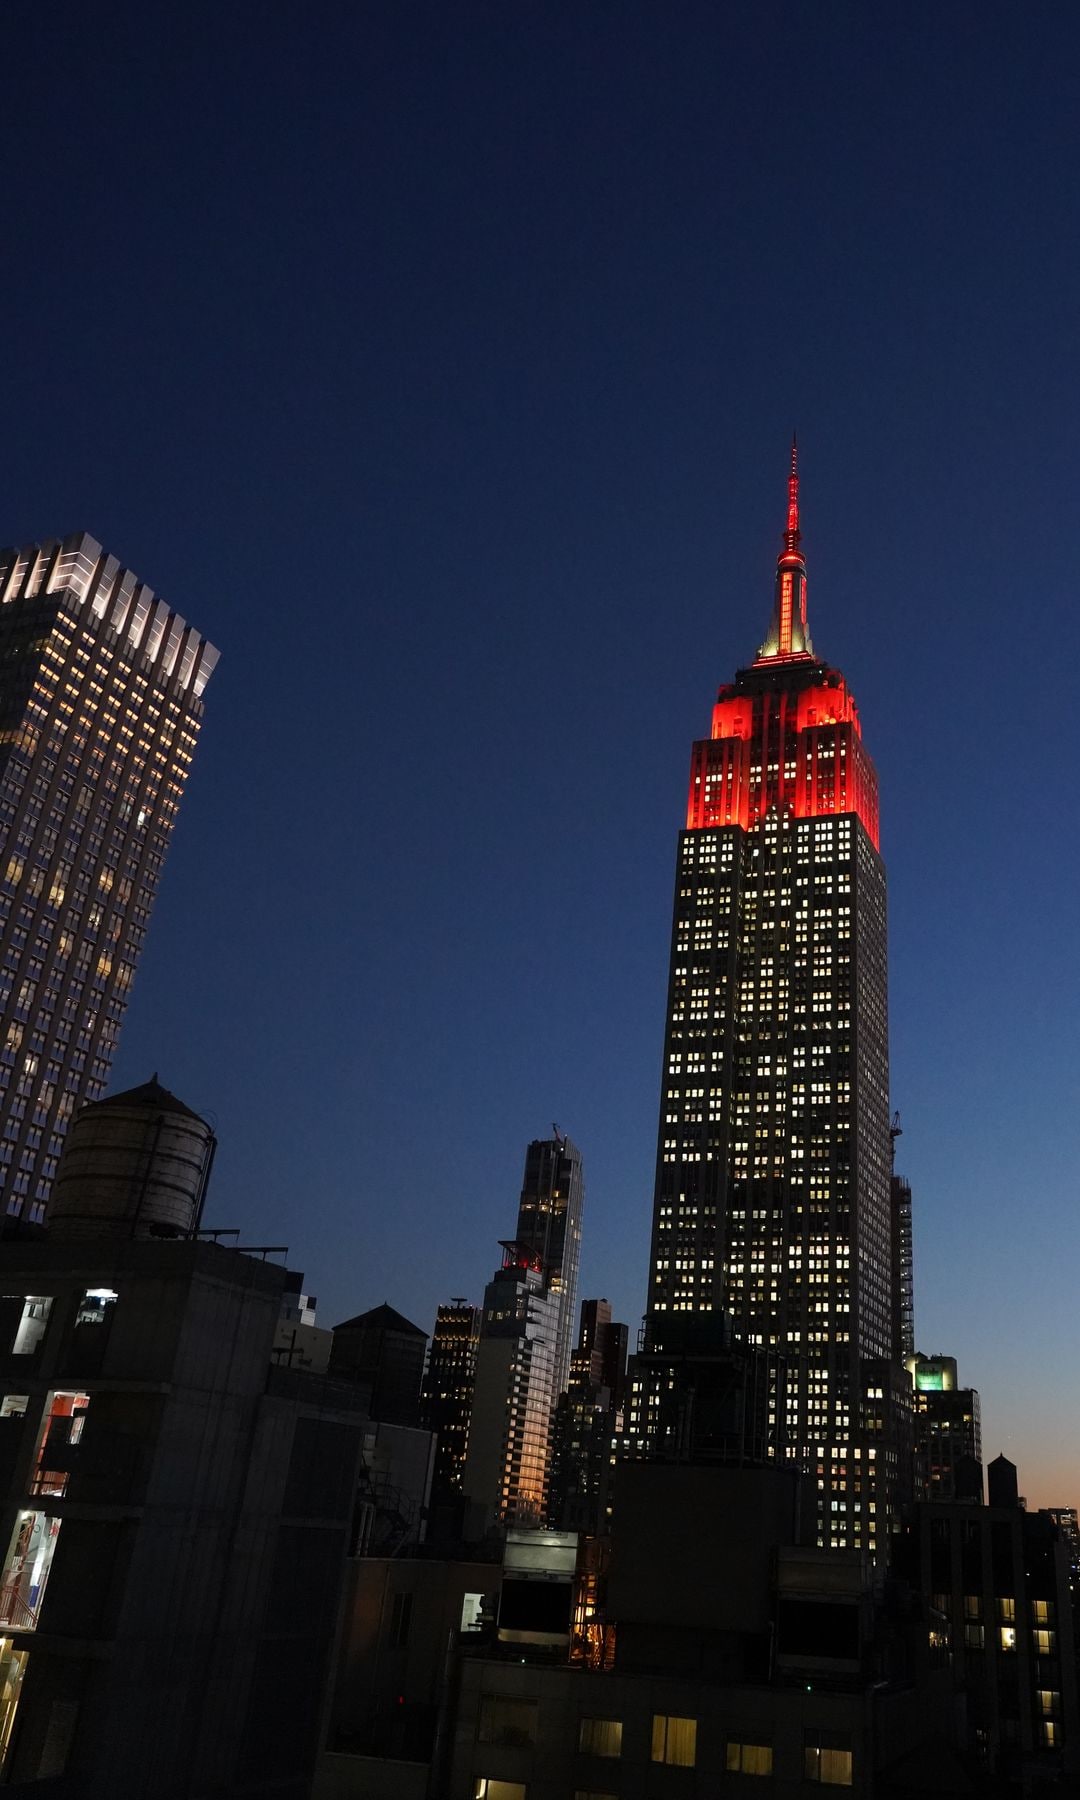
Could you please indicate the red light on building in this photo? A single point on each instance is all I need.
(792, 743)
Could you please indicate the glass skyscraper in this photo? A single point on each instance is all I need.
(523, 1354)
(549, 1229)
(772, 1181)
(101, 701)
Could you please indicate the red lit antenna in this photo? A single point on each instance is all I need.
(793, 534)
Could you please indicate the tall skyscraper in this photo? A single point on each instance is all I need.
(948, 1432)
(447, 1395)
(549, 1228)
(772, 1178)
(101, 687)
(507, 1465)
(903, 1269)
(524, 1350)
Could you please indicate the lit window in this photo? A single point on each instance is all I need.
(826, 1759)
(12, 1670)
(486, 1789)
(674, 1740)
(26, 1571)
(472, 1612)
(748, 1759)
(60, 1433)
(601, 1737)
(94, 1306)
(35, 1317)
(1008, 1637)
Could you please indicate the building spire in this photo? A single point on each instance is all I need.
(793, 534)
(789, 635)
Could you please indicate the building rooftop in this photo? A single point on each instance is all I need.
(383, 1318)
(152, 1095)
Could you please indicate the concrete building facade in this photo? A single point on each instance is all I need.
(175, 1511)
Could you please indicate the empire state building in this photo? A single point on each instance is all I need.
(771, 1206)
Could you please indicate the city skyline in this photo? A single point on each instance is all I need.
(447, 398)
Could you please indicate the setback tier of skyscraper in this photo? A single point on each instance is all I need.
(101, 687)
(772, 1179)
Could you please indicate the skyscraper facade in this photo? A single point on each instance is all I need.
(508, 1462)
(903, 1269)
(948, 1432)
(523, 1354)
(772, 1178)
(101, 701)
(447, 1394)
(588, 1419)
(549, 1230)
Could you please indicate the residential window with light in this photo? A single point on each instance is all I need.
(31, 1327)
(12, 1670)
(95, 1306)
(484, 1788)
(827, 1758)
(61, 1431)
(748, 1759)
(674, 1740)
(600, 1737)
(26, 1569)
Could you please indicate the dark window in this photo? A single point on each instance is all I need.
(507, 1720)
(400, 1617)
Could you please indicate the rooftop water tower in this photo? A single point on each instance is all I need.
(134, 1165)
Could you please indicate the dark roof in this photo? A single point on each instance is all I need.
(382, 1318)
(151, 1095)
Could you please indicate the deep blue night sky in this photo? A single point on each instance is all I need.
(440, 363)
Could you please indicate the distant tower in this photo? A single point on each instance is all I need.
(101, 687)
(948, 1433)
(447, 1398)
(508, 1461)
(523, 1356)
(772, 1171)
(549, 1227)
(902, 1268)
(588, 1416)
